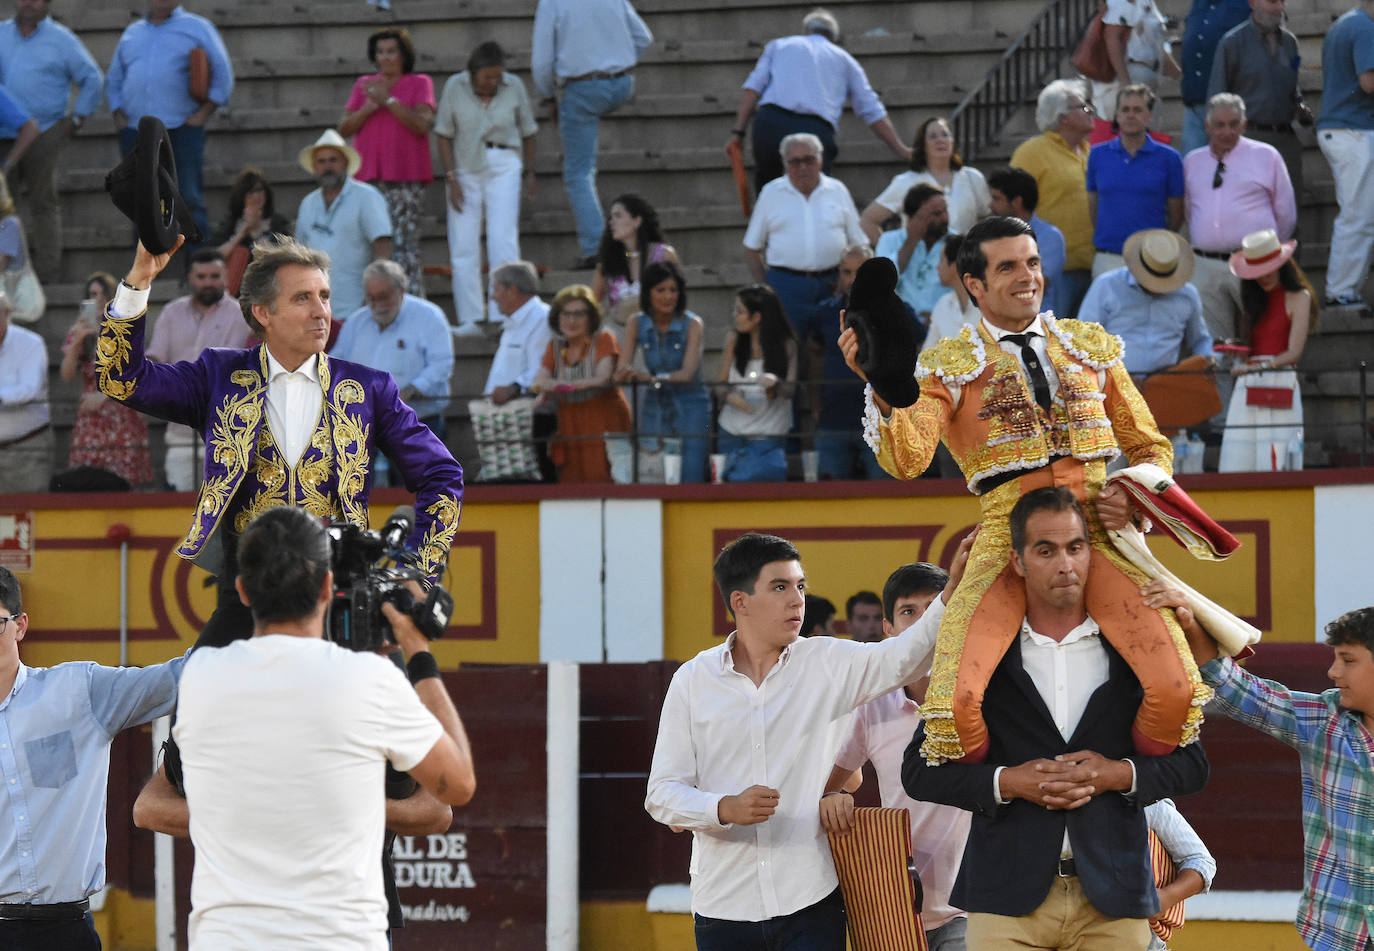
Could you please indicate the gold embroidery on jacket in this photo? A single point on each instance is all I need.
(112, 351)
(438, 540)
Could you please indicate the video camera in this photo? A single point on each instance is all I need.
(371, 569)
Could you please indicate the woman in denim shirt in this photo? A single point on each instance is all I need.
(675, 408)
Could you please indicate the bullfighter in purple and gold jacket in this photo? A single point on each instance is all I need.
(223, 394)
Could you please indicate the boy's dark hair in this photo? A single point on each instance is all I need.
(818, 611)
(860, 597)
(972, 261)
(1016, 183)
(918, 195)
(1353, 627)
(738, 565)
(283, 557)
(953, 243)
(920, 577)
(1051, 498)
(10, 595)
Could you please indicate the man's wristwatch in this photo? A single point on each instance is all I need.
(517, 388)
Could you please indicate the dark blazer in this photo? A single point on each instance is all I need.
(1012, 851)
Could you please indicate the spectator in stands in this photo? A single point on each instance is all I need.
(878, 733)
(12, 244)
(252, 217)
(409, 338)
(1258, 61)
(800, 84)
(674, 405)
(525, 335)
(916, 248)
(632, 239)
(955, 308)
(934, 161)
(818, 618)
(801, 225)
(26, 442)
(1207, 22)
(40, 61)
(1194, 866)
(1150, 305)
(1014, 192)
(345, 218)
(1234, 187)
(389, 115)
(583, 52)
(1264, 421)
(207, 317)
(150, 74)
(863, 617)
(758, 362)
(106, 434)
(1058, 159)
(1345, 133)
(485, 122)
(840, 449)
(1133, 181)
(575, 374)
(1331, 733)
(525, 331)
(1137, 45)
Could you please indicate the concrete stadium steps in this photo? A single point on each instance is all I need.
(296, 61)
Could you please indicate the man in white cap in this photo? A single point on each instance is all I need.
(1149, 303)
(345, 218)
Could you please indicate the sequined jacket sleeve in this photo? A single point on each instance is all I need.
(907, 439)
(430, 472)
(176, 392)
(1132, 421)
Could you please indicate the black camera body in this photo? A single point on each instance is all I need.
(371, 569)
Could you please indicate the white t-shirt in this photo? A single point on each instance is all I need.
(284, 741)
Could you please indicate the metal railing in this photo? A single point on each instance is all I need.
(1024, 67)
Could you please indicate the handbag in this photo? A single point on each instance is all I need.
(1269, 397)
(25, 293)
(1090, 55)
(234, 266)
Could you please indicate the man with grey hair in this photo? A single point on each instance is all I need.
(1058, 160)
(1258, 60)
(405, 336)
(1233, 186)
(526, 333)
(801, 225)
(283, 422)
(26, 443)
(800, 84)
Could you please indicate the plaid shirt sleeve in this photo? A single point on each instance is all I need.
(1291, 717)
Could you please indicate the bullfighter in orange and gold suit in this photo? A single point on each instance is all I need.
(975, 395)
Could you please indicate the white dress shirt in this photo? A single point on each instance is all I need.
(524, 339)
(293, 405)
(948, 318)
(804, 232)
(719, 735)
(23, 383)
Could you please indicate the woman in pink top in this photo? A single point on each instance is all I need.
(389, 115)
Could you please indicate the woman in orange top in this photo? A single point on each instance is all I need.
(576, 373)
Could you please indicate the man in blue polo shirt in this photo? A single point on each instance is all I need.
(1134, 183)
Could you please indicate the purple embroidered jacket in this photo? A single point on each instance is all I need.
(222, 394)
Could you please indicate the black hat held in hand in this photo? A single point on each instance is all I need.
(887, 339)
(144, 188)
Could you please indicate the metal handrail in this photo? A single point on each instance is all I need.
(1024, 67)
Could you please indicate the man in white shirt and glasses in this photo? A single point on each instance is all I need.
(749, 732)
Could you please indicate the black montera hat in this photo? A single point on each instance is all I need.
(144, 188)
(887, 338)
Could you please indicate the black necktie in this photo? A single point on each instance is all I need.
(1039, 382)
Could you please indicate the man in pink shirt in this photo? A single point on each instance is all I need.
(1233, 186)
(879, 733)
(206, 317)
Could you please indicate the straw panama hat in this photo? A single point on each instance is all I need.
(1261, 253)
(1159, 260)
(331, 140)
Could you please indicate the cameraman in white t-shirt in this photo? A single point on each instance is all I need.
(284, 740)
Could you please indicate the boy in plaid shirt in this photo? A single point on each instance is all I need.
(1333, 733)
